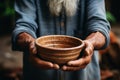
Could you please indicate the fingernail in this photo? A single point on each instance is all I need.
(64, 68)
(51, 65)
(69, 63)
(56, 67)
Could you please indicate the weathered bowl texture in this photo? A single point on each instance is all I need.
(59, 48)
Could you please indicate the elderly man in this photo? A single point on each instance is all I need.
(85, 19)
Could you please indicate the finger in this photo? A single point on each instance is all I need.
(56, 66)
(76, 63)
(79, 62)
(44, 64)
(69, 68)
(32, 48)
(41, 63)
(89, 49)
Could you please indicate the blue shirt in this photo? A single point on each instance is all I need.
(33, 17)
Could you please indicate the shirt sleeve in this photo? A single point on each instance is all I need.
(96, 19)
(25, 20)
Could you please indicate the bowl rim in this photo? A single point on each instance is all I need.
(61, 49)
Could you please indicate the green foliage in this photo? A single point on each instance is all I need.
(110, 17)
(9, 11)
(6, 8)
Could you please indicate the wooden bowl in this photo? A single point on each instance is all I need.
(59, 48)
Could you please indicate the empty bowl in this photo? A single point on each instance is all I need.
(59, 48)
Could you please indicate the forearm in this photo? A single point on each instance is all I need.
(97, 39)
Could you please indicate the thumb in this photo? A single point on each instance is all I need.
(32, 48)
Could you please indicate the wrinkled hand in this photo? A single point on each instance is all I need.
(83, 61)
(26, 41)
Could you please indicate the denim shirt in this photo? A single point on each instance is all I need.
(33, 17)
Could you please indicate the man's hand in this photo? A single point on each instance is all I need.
(81, 62)
(95, 40)
(26, 41)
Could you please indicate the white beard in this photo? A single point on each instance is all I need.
(70, 6)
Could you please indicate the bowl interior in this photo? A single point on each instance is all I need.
(58, 41)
